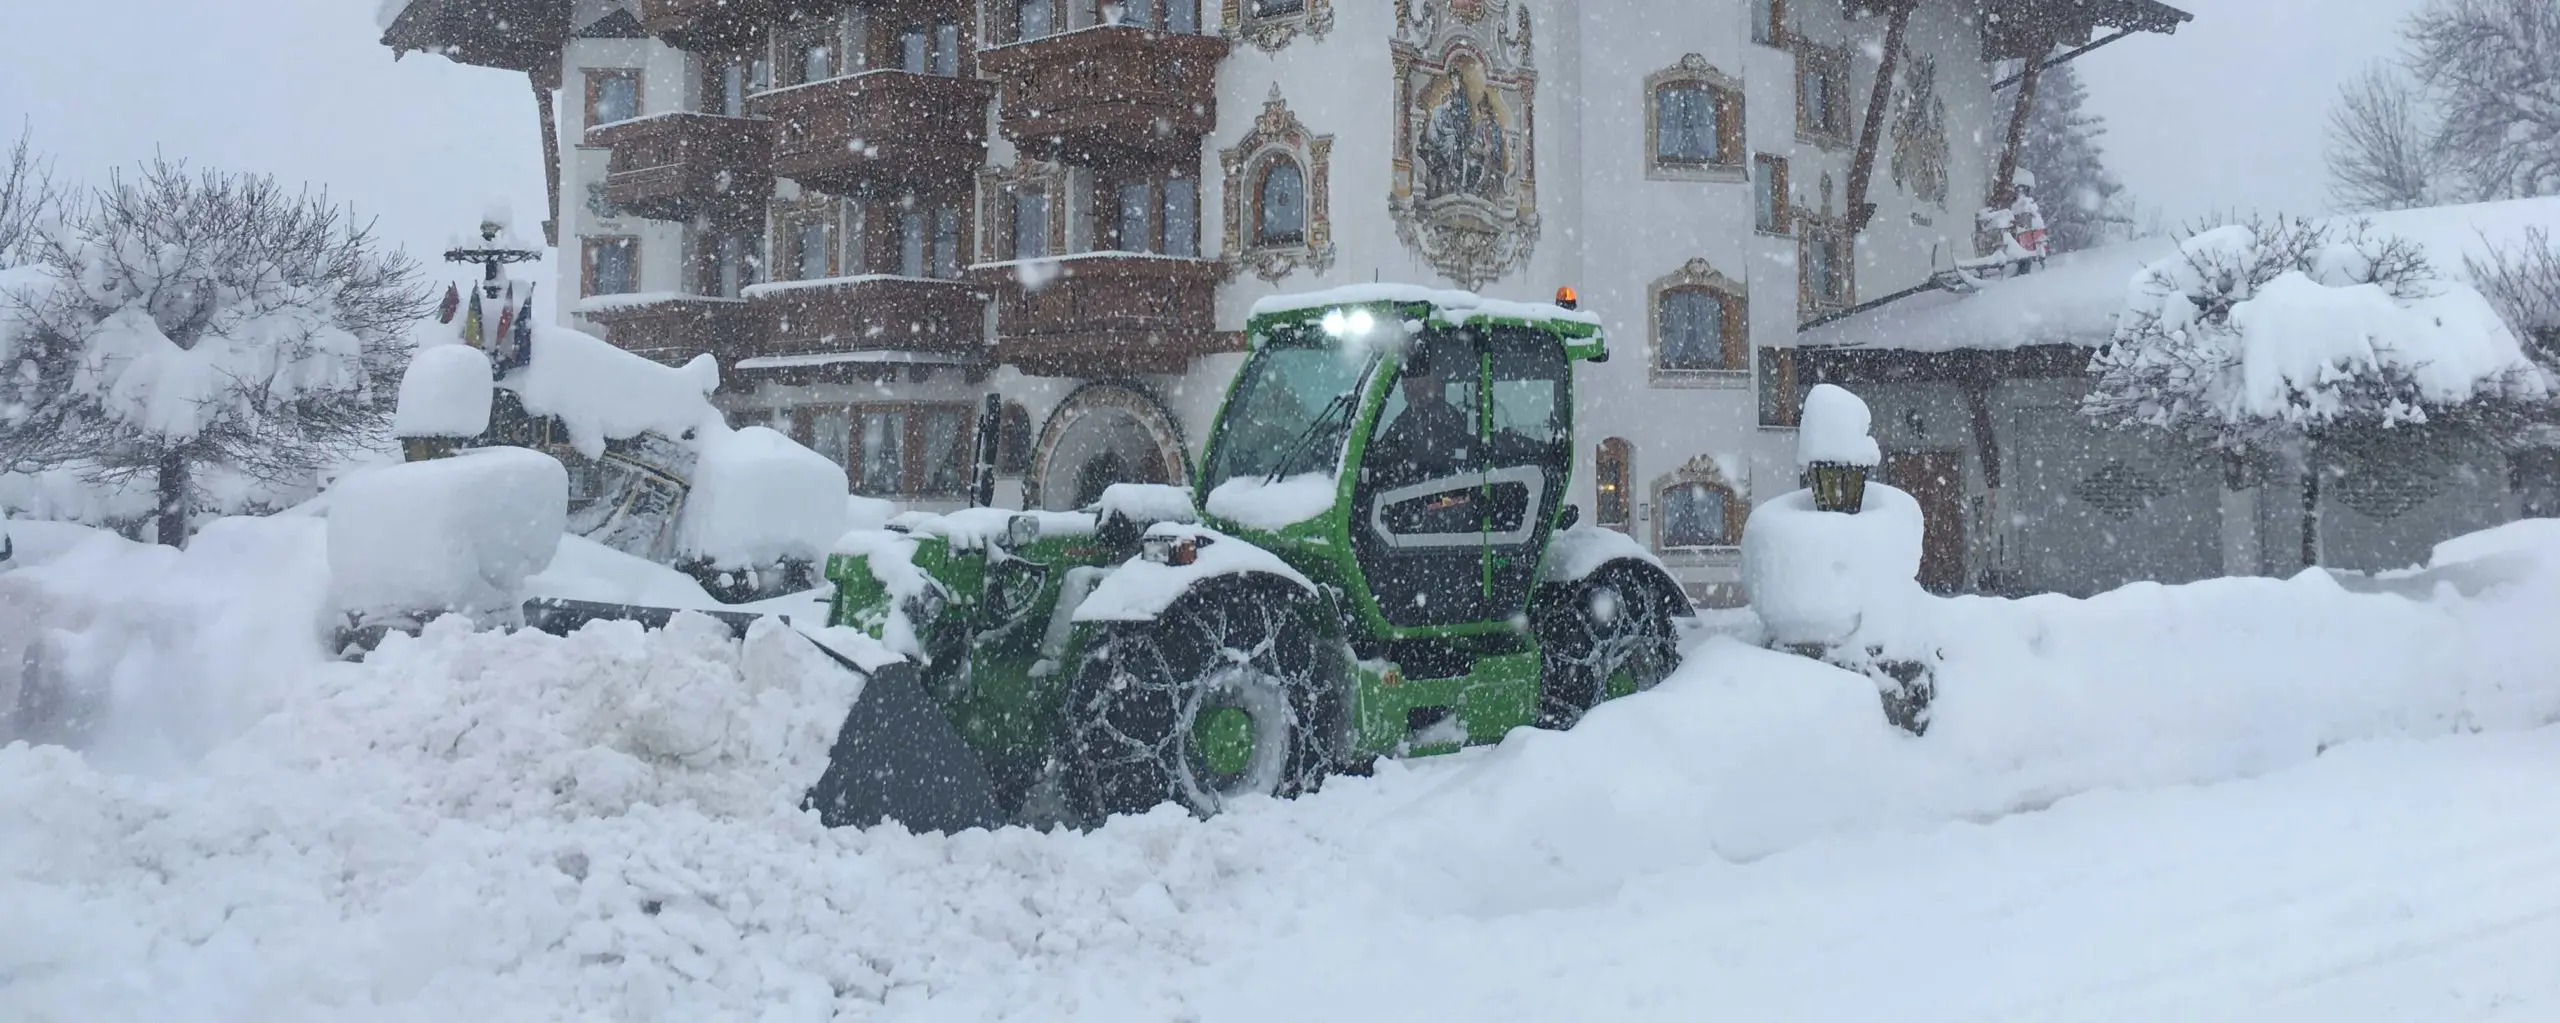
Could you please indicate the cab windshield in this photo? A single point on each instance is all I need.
(1271, 425)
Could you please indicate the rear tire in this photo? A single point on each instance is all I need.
(1226, 695)
(1609, 634)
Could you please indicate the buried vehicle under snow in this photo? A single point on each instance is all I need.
(1379, 564)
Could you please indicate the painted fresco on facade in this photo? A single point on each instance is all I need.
(1920, 132)
(1465, 183)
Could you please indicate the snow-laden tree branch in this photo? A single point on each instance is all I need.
(2382, 147)
(187, 321)
(2284, 337)
(2494, 68)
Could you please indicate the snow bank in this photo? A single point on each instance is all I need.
(1576, 553)
(582, 569)
(602, 393)
(1256, 502)
(447, 534)
(1141, 590)
(1834, 429)
(479, 825)
(444, 393)
(1817, 577)
(759, 497)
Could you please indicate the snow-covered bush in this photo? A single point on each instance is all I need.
(459, 534)
(179, 322)
(2286, 337)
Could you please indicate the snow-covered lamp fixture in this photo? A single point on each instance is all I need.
(1835, 448)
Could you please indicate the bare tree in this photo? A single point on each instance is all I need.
(2493, 67)
(2382, 148)
(28, 196)
(198, 320)
(2524, 284)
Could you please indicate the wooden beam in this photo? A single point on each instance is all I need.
(2003, 191)
(1862, 168)
(550, 146)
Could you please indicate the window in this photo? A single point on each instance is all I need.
(946, 49)
(1693, 123)
(946, 242)
(727, 263)
(1822, 97)
(917, 45)
(1769, 22)
(1181, 217)
(813, 250)
(1030, 225)
(912, 243)
(1779, 400)
(613, 266)
(1280, 205)
(1181, 16)
(1701, 326)
(1824, 261)
(1137, 213)
(1696, 513)
(1612, 469)
(613, 94)
(894, 450)
(1033, 19)
(1137, 13)
(809, 51)
(1769, 194)
(1277, 8)
(1013, 440)
(1693, 330)
(1158, 214)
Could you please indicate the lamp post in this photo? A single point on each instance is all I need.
(1838, 486)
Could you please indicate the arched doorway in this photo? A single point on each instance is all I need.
(1103, 434)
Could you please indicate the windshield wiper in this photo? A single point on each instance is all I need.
(1340, 406)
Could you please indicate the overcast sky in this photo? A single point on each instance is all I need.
(2225, 114)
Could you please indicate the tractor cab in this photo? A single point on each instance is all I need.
(1427, 435)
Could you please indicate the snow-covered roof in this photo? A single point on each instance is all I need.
(2076, 298)
(1456, 306)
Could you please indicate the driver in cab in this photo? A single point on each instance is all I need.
(1431, 438)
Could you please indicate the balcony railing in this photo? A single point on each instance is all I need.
(1089, 94)
(1107, 312)
(706, 24)
(877, 127)
(674, 328)
(871, 312)
(681, 165)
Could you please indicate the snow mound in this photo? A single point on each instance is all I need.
(1147, 502)
(1834, 428)
(446, 534)
(1255, 502)
(444, 393)
(759, 497)
(601, 393)
(1818, 577)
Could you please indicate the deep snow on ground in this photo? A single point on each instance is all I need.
(2245, 799)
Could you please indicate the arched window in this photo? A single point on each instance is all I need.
(1693, 513)
(1692, 328)
(1694, 122)
(1280, 204)
(1612, 475)
(1701, 325)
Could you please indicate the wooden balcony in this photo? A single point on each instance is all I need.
(707, 24)
(517, 35)
(673, 330)
(683, 165)
(1108, 313)
(872, 312)
(1099, 93)
(877, 128)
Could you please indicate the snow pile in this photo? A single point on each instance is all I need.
(444, 393)
(446, 534)
(1147, 502)
(1835, 429)
(1821, 577)
(890, 557)
(602, 393)
(582, 569)
(1257, 502)
(758, 498)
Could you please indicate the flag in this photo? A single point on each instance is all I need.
(506, 330)
(471, 332)
(452, 304)
(519, 349)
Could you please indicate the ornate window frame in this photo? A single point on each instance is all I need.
(1271, 32)
(1725, 90)
(1701, 471)
(1833, 62)
(1699, 275)
(1813, 231)
(1277, 134)
(996, 188)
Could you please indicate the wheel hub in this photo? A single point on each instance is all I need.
(1225, 738)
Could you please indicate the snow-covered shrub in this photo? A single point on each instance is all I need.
(459, 534)
(2285, 337)
(180, 322)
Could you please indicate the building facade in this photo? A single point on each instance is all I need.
(878, 213)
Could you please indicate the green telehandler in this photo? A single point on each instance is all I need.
(1375, 559)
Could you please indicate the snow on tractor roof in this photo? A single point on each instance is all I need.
(601, 393)
(1452, 306)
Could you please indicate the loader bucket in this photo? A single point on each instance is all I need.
(896, 758)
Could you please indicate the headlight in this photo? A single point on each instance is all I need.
(1171, 550)
(1021, 530)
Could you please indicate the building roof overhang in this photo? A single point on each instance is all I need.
(515, 35)
(2031, 29)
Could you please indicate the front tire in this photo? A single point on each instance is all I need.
(1225, 696)
(1605, 636)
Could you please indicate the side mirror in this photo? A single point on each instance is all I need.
(1572, 514)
